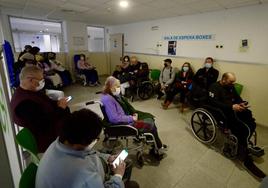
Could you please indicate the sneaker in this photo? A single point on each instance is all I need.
(256, 151)
(253, 169)
(163, 149)
(156, 154)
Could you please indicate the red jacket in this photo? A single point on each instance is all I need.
(38, 113)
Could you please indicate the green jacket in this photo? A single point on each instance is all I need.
(130, 110)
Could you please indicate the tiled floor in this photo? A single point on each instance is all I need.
(189, 163)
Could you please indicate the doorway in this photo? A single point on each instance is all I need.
(116, 50)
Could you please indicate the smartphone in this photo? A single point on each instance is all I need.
(122, 156)
(69, 98)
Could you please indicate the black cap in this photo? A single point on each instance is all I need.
(168, 61)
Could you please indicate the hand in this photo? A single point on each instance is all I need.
(62, 103)
(238, 108)
(244, 104)
(135, 116)
(120, 169)
(163, 86)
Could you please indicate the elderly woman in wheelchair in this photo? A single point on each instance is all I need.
(227, 116)
(119, 111)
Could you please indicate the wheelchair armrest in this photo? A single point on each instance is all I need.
(120, 130)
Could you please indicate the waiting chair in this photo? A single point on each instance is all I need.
(155, 74)
(27, 141)
(27, 179)
(238, 87)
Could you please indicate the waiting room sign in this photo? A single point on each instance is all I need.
(190, 37)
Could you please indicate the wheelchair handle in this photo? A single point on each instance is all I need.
(93, 102)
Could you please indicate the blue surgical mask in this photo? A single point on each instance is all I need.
(185, 69)
(208, 65)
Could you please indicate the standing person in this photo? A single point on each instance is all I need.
(166, 78)
(70, 161)
(88, 70)
(240, 121)
(181, 85)
(202, 80)
(118, 110)
(33, 109)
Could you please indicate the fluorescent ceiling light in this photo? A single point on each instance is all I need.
(123, 4)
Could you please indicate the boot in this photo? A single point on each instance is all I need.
(165, 105)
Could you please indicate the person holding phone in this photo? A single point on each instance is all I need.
(33, 109)
(71, 160)
(240, 121)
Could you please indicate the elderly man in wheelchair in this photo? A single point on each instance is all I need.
(227, 116)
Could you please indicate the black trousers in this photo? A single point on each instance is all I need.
(242, 125)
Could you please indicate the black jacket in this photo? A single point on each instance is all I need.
(204, 78)
(223, 97)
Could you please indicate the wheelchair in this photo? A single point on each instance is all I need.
(208, 125)
(143, 87)
(126, 132)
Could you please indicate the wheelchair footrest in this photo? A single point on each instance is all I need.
(256, 151)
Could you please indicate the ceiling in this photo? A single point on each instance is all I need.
(107, 12)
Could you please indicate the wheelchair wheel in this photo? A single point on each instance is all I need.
(145, 90)
(140, 159)
(203, 125)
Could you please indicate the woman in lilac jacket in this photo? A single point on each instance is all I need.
(118, 110)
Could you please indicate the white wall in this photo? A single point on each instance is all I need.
(251, 68)
(229, 27)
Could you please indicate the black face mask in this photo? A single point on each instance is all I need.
(165, 65)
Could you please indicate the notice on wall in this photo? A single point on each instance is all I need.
(78, 41)
(244, 45)
(172, 47)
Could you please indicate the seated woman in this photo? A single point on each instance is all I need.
(118, 110)
(122, 73)
(181, 85)
(88, 70)
(52, 79)
(58, 68)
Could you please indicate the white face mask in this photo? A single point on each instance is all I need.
(117, 91)
(41, 85)
(208, 65)
(185, 69)
(90, 146)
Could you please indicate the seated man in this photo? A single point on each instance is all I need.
(166, 78)
(223, 95)
(71, 162)
(33, 109)
(202, 81)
